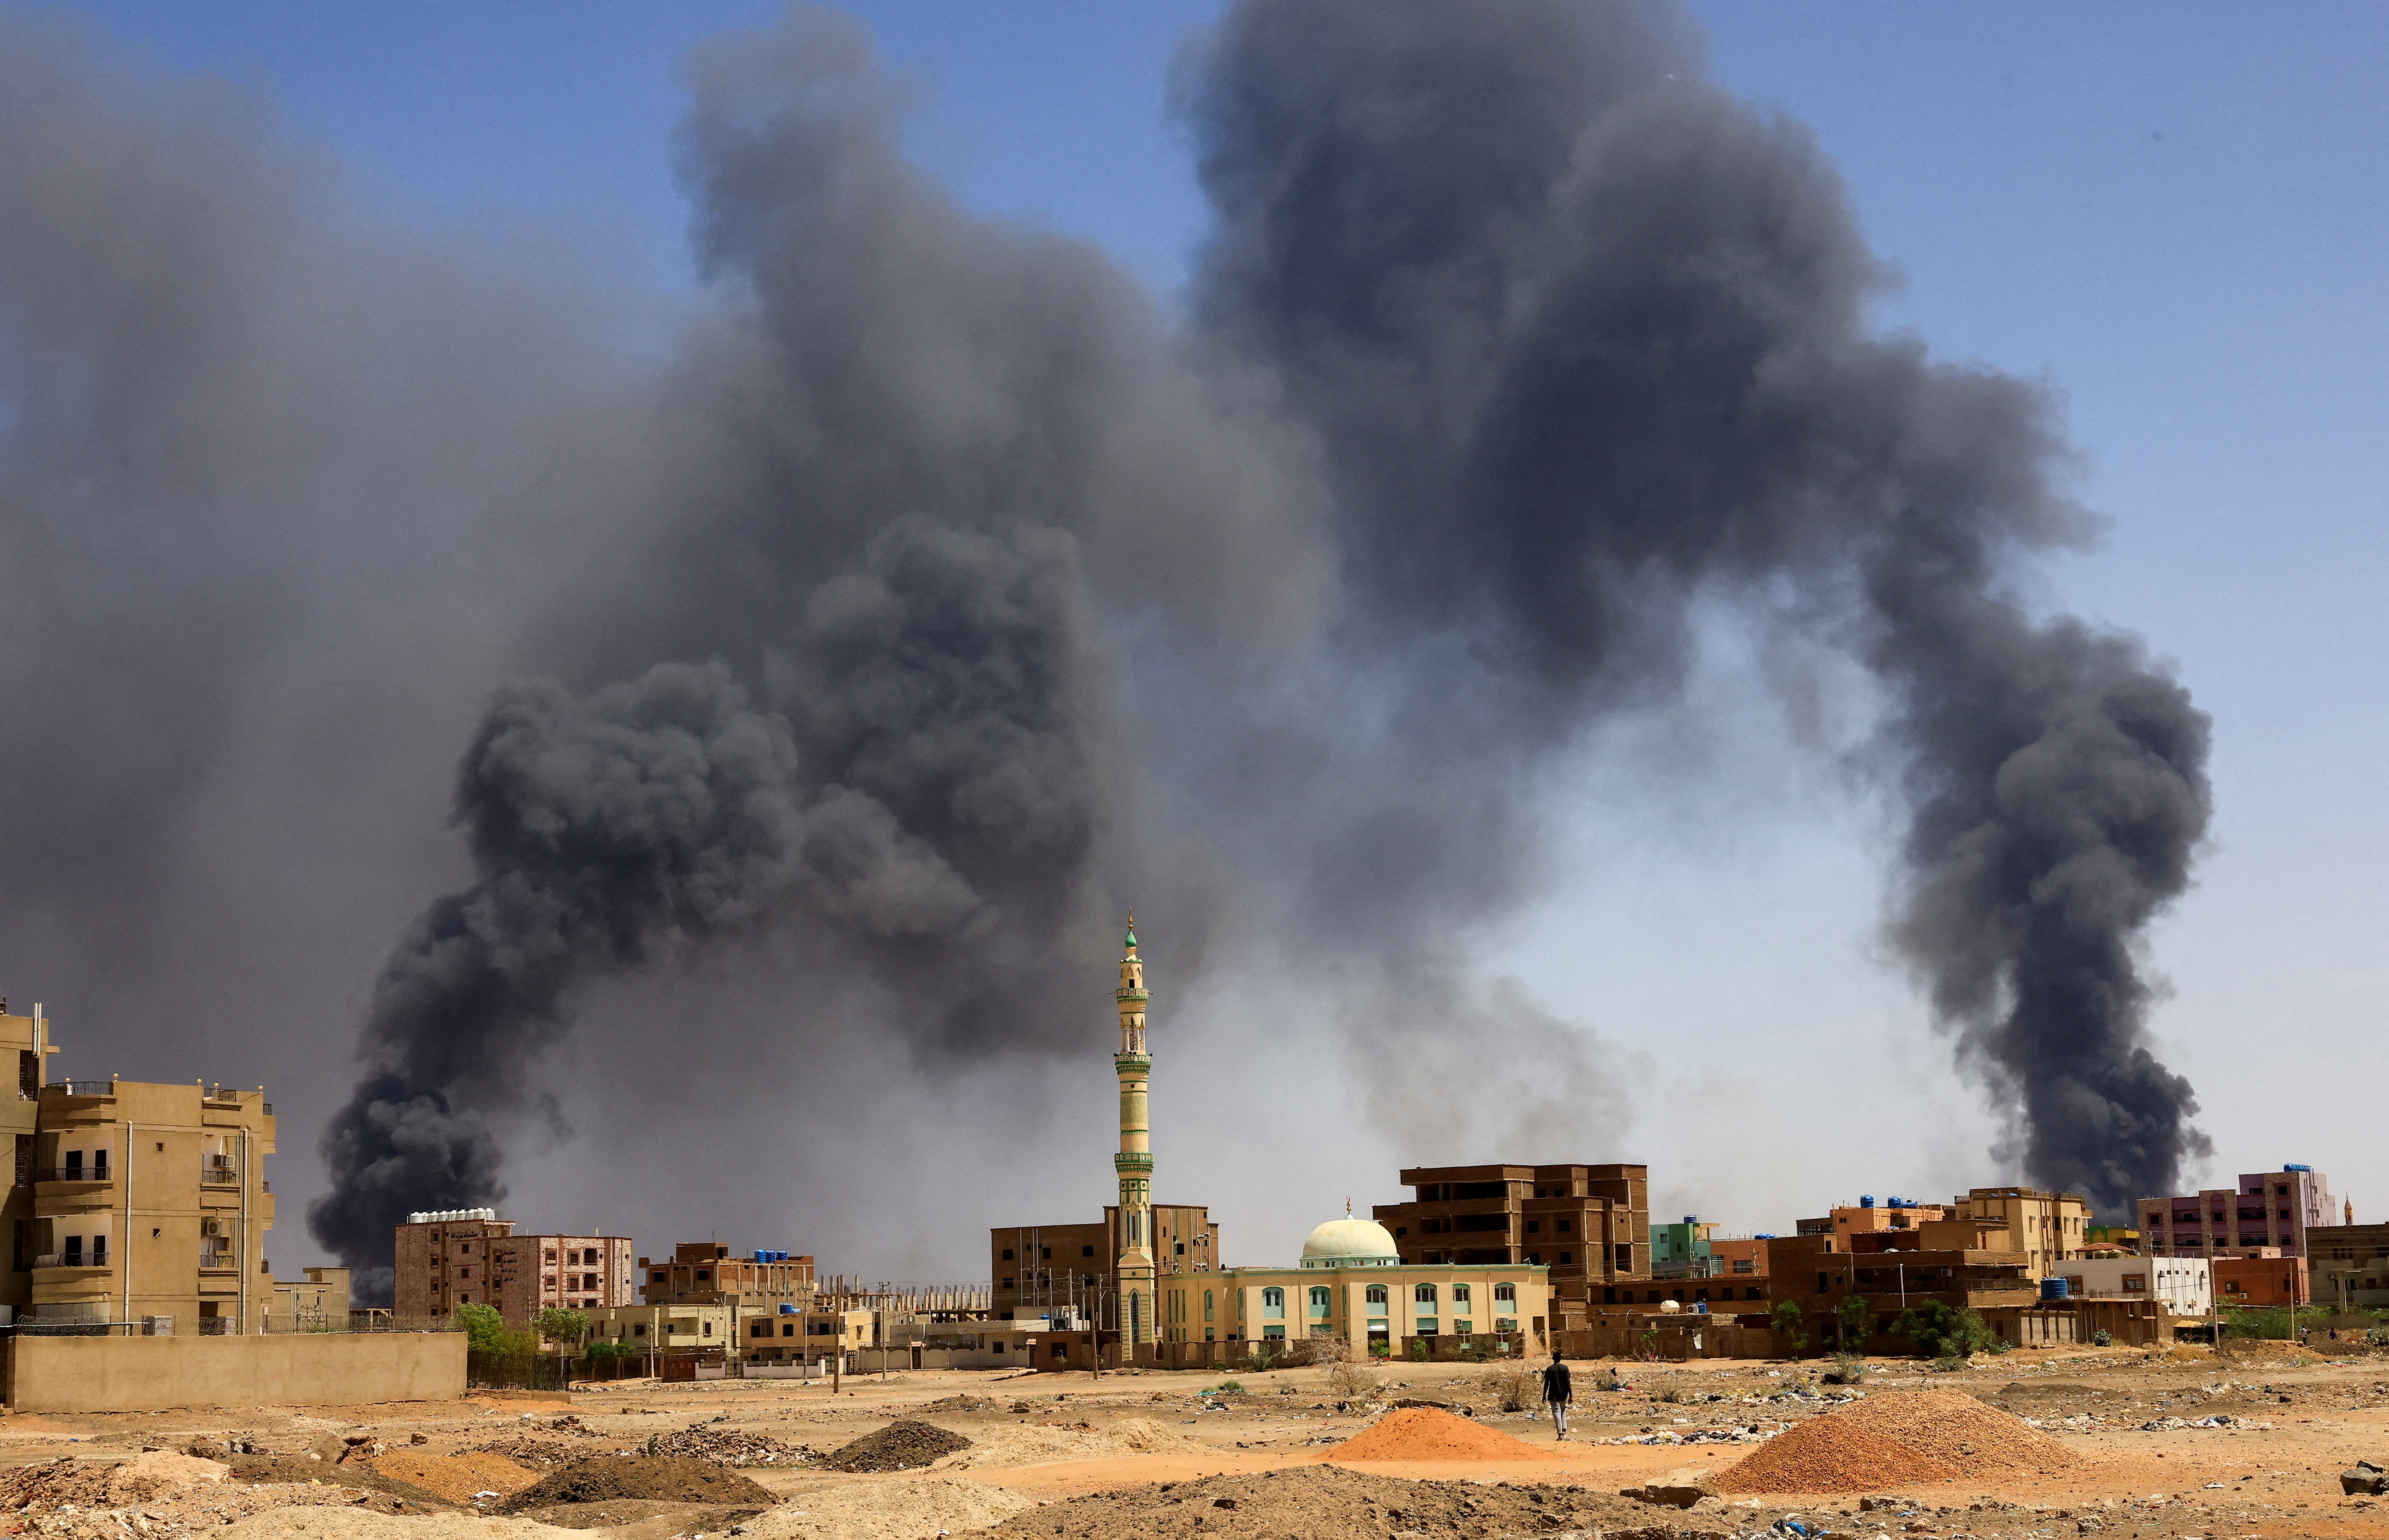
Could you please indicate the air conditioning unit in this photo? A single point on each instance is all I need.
(211, 1226)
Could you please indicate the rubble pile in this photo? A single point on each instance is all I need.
(906, 1443)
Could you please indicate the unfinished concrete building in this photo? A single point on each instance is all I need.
(705, 1272)
(1588, 1225)
(442, 1259)
(1058, 1272)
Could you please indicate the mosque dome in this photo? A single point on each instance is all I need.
(1349, 1243)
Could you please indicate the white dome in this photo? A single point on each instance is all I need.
(1349, 1243)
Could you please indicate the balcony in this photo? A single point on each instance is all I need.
(219, 1173)
(86, 1174)
(213, 1261)
(97, 1261)
(81, 1088)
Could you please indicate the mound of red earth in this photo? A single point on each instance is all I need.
(906, 1443)
(1894, 1439)
(1428, 1433)
(666, 1477)
(1325, 1501)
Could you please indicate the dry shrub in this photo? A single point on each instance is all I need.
(1346, 1380)
(1514, 1386)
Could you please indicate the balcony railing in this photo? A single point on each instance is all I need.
(219, 1173)
(72, 1173)
(212, 1261)
(71, 1259)
(81, 1088)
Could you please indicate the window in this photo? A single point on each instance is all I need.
(1423, 1294)
(1567, 1256)
(1320, 1301)
(2136, 1283)
(1089, 1251)
(1376, 1294)
(788, 1329)
(1274, 1303)
(1206, 1304)
(1534, 1227)
(1566, 1225)
(1182, 1248)
(1507, 1294)
(1459, 1294)
(661, 1277)
(1007, 1283)
(639, 1331)
(1044, 1254)
(1007, 1256)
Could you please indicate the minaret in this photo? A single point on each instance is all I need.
(1134, 1162)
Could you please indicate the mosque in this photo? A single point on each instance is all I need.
(1349, 1283)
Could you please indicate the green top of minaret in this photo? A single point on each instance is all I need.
(1132, 930)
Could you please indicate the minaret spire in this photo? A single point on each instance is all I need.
(1134, 1162)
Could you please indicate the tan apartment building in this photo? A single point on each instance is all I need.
(704, 1272)
(1046, 1271)
(134, 1202)
(1587, 1226)
(2047, 1228)
(443, 1259)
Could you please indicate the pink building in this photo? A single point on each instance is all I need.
(2268, 1209)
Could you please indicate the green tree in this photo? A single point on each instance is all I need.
(568, 1326)
(1788, 1335)
(1939, 1331)
(485, 1331)
(1852, 1323)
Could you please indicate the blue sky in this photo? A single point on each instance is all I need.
(2175, 214)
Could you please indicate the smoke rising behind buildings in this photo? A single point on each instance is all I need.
(1515, 347)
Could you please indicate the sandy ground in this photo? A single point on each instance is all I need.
(2292, 1423)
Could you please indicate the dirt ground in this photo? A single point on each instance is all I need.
(2182, 1443)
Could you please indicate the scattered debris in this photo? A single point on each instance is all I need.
(907, 1444)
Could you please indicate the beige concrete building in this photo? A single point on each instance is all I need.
(317, 1302)
(2047, 1228)
(1352, 1283)
(134, 1201)
(655, 1328)
(470, 1256)
(704, 1272)
(1587, 1226)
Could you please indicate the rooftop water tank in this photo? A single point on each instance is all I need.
(1866, 1200)
(2053, 1288)
(2296, 1167)
(787, 1309)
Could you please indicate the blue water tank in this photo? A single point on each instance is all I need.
(2053, 1288)
(2293, 1167)
(787, 1309)
(1692, 1218)
(1866, 1200)
(1764, 1235)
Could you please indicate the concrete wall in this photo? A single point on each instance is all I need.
(106, 1374)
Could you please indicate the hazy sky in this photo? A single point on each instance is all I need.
(2173, 214)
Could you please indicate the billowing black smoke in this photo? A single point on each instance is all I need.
(1514, 349)
(1585, 338)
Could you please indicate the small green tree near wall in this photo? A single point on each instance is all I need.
(569, 1327)
(485, 1331)
(1852, 1321)
(1939, 1331)
(1788, 1335)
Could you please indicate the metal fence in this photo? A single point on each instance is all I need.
(545, 1371)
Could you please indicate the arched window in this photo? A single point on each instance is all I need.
(1318, 1301)
(1459, 1294)
(1505, 1293)
(1423, 1293)
(1273, 1303)
(1377, 1294)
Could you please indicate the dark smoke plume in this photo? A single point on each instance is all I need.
(1585, 338)
(1515, 349)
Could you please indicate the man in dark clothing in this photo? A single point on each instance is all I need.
(1557, 1393)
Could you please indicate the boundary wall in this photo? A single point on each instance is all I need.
(114, 1374)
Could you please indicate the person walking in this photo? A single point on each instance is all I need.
(1557, 1393)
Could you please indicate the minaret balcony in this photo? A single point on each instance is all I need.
(1129, 1160)
(1140, 996)
(1124, 1062)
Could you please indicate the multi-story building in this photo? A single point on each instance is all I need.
(134, 1202)
(2348, 1265)
(704, 1272)
(1589, 1226)
(2267, 1208)
(2184, 1285)
(316, 1302)
(1682, 1249)
(2047, 1228)
(446, 1258)
(2263, 1277)
(1892, 1214)
(1063, 1271)
(1739, 1256)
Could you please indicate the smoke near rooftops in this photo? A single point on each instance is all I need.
(1514, 348)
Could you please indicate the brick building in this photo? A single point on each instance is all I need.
(1588, 1225)
(471, 1256)
(1042, 1271)
(2050, 1228)
(2265, 1280)
(2267, 1208)
(703, 1272)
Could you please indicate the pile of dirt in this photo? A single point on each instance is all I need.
(157, 1473)
(671, 1479)
(453, 1478)
(1831, 1454)
(63, 1482)
(1324, 1500)
(1424, 1432)
(906, 1443)
(957, 1403)
(531, 1451)
(1959, 1430)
